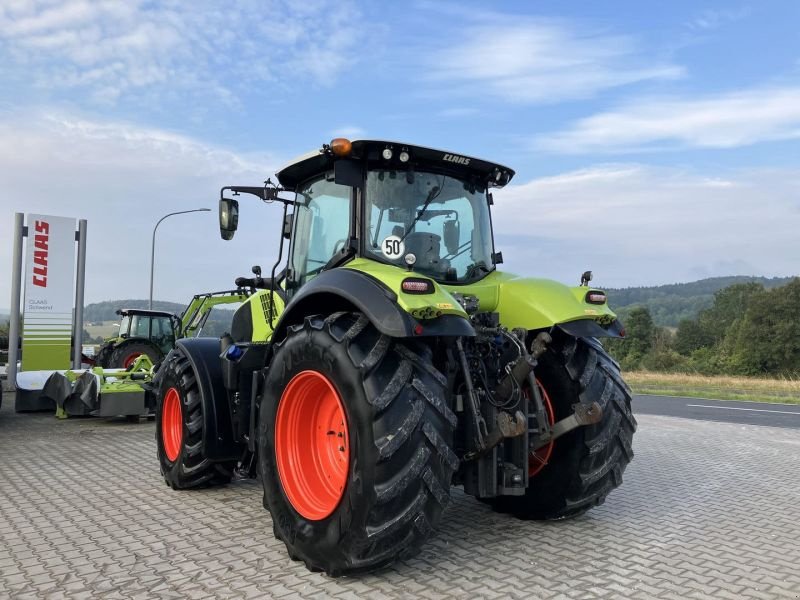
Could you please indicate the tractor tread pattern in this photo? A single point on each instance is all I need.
(607, 446)
(595, 455)
(192, 469)
(414, 462)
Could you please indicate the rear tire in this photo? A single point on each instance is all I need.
(398, 438)
(123, 356)
(587, 463)
(179, 429)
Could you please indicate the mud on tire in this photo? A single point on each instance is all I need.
(586, 464)
(400, 434)
(190, 469)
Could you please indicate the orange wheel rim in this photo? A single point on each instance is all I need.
(172, 424)
(312, 448)
(538, 459)
(130, 359)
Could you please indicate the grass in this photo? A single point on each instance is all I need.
(753, 389)
(107, 329)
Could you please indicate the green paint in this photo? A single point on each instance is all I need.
(521, 301)
(260, 304)
(440, 302)
(45, 351)
(533, 303)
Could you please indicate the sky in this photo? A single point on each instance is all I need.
(653, 142)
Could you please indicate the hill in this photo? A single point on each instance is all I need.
(669, 304)
(107, 310)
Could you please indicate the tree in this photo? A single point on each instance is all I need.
(768, 338)
(639, 332)
(729, 305)
(638, 341)
(691, 336)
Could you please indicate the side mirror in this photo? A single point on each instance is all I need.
(228, 217)
(452, 235)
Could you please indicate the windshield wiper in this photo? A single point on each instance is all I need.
(471, 270)
(432, 195)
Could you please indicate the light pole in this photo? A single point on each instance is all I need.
(153, 247)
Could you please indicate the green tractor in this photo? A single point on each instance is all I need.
(153, 332)
(388, 360)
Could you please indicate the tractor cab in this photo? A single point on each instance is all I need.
(410, 207)
(158, 327)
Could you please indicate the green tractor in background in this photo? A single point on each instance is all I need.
(389, 359)
(153, 333)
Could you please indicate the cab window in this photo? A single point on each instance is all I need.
(322, 227)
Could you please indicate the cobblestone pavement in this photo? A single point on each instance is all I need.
(708, 510)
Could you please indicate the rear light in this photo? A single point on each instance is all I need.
(414, 285)
(595, 297)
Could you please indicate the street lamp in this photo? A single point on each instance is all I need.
(153, 247)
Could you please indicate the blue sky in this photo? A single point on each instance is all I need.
(653, 142)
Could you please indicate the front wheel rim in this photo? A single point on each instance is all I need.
(130, 359)
(172, 424)
(312, 447)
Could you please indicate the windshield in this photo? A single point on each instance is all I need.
(443, 221)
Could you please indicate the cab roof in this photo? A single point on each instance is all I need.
(420, 157)
(124, 312)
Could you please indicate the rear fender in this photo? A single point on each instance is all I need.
(218, 439)
(533, 304)
(350, 290)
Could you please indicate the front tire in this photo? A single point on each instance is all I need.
(179, 429)
(123, 356)
(586, 464)
(395, 429)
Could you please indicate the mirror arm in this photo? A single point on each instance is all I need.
(265, 193)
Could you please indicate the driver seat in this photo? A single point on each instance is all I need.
(427, 248)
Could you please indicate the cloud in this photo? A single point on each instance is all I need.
(113, 50)
(637, 224)
(526, 60)
(632, 224)
(727, 120)
(714, 19)
(123, 178)
(348, 131)
(458, 112)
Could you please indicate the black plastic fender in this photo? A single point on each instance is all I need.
(585, 328)
(218, 441)
(348, 289)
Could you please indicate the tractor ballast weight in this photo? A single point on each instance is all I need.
(387, 359)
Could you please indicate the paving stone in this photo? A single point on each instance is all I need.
(707, 510)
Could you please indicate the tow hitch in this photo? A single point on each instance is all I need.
(585, 414)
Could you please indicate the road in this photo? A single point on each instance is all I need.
(704, 409)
